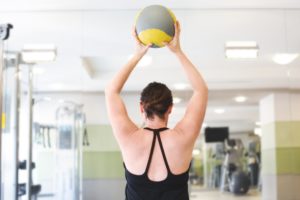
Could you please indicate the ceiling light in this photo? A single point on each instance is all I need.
(241, 49)
(258, 131)
(144, 62)
(176, 100)
(36, 53)
(180, 86)
(204, 125)
(219, 110)
(241, 53)
(196, 152)
(240, 99)
(284, 58)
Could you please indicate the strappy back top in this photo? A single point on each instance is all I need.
(140, 187)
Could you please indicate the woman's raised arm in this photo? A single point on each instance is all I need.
(191, 123)
(117, 113)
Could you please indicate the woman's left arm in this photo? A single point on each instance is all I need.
(117, 113)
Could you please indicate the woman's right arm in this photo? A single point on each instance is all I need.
(191, 123)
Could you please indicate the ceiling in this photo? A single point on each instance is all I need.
(36, 5)
(95, 35)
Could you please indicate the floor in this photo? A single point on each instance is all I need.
(217, 195)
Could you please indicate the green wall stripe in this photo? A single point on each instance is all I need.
(98, 165)
(287, 133)
(281, 161)
(288, 160)
(101, 138)
(281, 148)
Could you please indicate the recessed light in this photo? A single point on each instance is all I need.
(240, 99)
(144, 62)
(241, 49)
(219, 110)
(284, 58)
(176, 100)
(196, 152)
(258, 131)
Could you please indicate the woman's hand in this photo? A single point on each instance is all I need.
(140, 49)
(174, 45)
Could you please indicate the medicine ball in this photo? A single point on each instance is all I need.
(239, 183)
(155, 25)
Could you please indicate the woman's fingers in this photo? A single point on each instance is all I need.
(134, 34)
(177, 29)
(178, 26)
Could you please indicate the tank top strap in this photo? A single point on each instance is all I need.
(157, 134)
(163, 152)
(151, 153)
(156, 130)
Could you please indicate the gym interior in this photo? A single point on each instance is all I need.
(57, 57)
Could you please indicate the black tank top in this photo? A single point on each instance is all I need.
(140, 187)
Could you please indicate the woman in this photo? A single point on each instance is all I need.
(157, 159)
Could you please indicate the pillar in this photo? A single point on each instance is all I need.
(280, 118)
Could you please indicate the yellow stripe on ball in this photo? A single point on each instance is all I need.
(154, 36)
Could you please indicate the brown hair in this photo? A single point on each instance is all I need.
(156, 98)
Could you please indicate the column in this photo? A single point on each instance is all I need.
(280, 118)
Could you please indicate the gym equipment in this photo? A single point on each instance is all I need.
(155, 25)
(35, 189)
(4, 35)
(70, 126)
(42, 134)
(253, 162)
(5, 31)
(85, 139)
(218, 155)
(234, 179)
(239, 183)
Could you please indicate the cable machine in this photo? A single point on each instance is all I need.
(4, 35)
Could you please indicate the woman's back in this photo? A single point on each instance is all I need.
(177, 149)
(151, 182)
